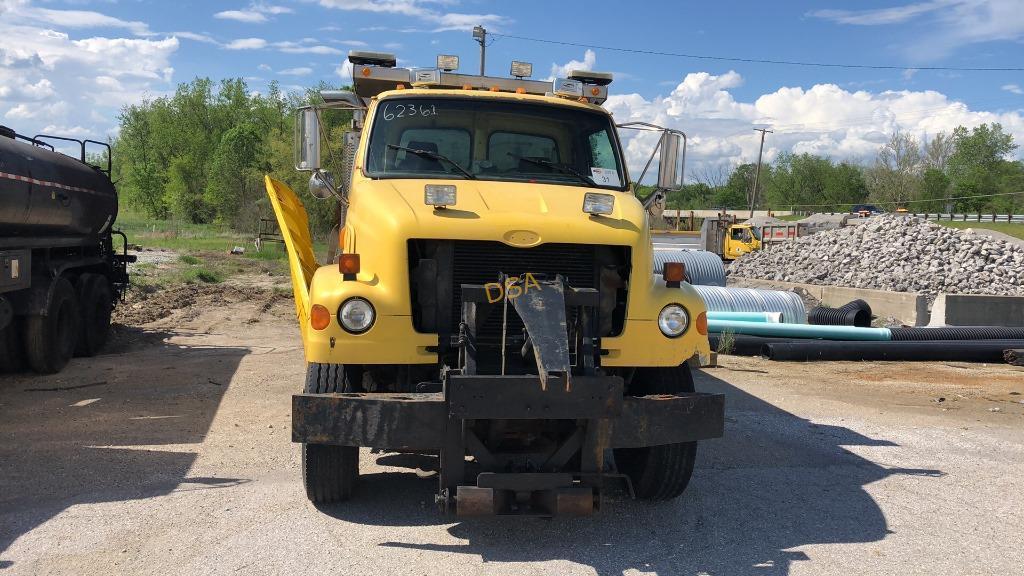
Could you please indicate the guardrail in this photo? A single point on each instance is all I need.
(1009, 218)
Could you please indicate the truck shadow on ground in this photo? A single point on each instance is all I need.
(108, 428)
(775, 482)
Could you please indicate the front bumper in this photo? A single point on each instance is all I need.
(419, 421)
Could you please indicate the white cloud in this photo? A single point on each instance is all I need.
(264, 67)
(246, 44)
(300, 71)
(344, 71)
(1013, 88)
(51, 81)
(823, 119)
(893, 15)
(952, 23)
(195, 36)
(419, 9)
(250, 16)
(563, 70)
(256, 13)
(305, 48)
(25, 12)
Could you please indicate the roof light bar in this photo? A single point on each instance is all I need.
(382, 59)
(591, 77)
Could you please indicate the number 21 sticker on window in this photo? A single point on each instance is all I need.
(605, 176)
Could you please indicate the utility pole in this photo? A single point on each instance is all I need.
(757, 172)
(480, 34)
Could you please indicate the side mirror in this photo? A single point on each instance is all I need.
(307, 140)
(321, 184)
(672, 160)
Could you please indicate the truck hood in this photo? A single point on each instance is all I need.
(515, 213)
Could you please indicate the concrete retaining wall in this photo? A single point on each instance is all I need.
(977, 310)
(908, 307)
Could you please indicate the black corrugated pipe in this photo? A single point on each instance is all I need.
(743, 345)
(957, 333)
(932, 351)
(855, 313)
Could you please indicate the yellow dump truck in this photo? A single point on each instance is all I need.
(728, 238)
(493, 300)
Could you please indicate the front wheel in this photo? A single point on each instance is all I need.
(329, 473)
(659, 472)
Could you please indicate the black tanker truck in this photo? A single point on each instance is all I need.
(60, 274)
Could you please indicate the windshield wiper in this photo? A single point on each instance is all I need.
(560, 167)
(435, 156)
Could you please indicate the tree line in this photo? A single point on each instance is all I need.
(199, 155)
(962, 171)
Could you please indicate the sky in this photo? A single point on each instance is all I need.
(69, 66)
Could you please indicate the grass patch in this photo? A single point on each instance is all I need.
(1015, 230)
(726, 342)
(196, 275)
(189, 259)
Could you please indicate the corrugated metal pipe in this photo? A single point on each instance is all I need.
(702, 267)
(930, 351)
(855, 313)
(719, 299)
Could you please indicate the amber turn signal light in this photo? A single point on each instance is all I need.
(319, 317)
(674, 272)
(702, 324)
(348, 264)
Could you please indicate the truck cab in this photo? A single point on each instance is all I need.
(493, 298)
(728, 238)
(742, 239)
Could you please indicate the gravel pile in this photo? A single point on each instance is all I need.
(895, 253)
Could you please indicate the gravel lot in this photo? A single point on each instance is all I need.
(171, 455)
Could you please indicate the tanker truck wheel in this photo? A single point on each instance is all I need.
(50, 340)
(659, 472)
(329, 473)
(96, 302)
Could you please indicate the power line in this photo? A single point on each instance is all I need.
(761, 60)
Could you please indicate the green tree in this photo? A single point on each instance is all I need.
(935, 187)
(977, 163)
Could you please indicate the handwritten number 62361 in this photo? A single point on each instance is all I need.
(407, 111)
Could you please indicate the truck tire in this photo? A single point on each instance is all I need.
(659, 472)
(12, 357)
(96, 303)
(329, 473)
(50, 340)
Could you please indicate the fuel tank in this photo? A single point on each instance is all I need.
(45, 193)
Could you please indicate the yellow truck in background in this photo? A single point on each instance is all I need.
(493, 300)
(728, 238)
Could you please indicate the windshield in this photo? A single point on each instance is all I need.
(493, 140)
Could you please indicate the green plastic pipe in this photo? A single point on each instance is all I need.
(798, 330)
(767, 317)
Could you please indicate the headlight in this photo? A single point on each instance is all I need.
(673, 320)
(594, 203)
(356, 315)
(439, 195)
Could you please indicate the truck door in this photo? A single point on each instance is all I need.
(294, 224)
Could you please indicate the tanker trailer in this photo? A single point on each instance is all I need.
(60, 275)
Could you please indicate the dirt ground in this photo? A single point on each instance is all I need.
(170, 454)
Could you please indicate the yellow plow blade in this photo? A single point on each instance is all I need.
(294, 225)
